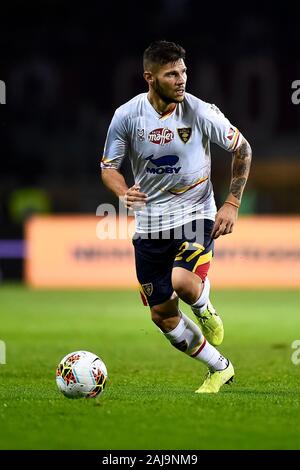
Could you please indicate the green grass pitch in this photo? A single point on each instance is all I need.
(149, 401)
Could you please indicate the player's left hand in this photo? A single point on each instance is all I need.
(225, 220)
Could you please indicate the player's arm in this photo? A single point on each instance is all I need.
(241, 162)
(115, 181)
(227, 214)
(115, 150)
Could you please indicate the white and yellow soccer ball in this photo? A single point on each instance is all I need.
(81, 374)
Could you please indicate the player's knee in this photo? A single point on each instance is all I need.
(186, 285)
(183, 291)
(182, 287)
(178, 281)
(166, 321)
(157, 319)
(157, 316)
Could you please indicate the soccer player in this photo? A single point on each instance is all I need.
(166, 134)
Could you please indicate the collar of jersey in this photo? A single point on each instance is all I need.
(164, 116)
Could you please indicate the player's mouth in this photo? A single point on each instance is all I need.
(180, 91)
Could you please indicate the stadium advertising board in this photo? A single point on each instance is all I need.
(65, 251)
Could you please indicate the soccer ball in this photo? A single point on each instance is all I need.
(81, 374)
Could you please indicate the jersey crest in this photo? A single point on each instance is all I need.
(185, 134)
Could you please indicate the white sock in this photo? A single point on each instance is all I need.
(201, 304)
(187, 337)
(211, 356)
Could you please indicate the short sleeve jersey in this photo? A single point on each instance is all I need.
(170, 157)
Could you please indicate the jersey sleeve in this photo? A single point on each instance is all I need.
(219, 130)
(115, 147)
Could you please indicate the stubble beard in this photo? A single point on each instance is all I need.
(163, 96)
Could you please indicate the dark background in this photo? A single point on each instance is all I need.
(67, 66)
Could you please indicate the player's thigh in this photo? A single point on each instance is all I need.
(186, 284)
(154, 263)
(194, 250)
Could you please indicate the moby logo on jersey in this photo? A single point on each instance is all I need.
(164, 164)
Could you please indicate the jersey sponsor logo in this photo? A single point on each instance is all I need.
(161, 136)
(163, 164)
(185, 134)
(148, 288)
(169, 160)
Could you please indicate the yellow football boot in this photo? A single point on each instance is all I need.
(210, 324)
(215, 380)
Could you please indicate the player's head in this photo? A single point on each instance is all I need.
(165, 70)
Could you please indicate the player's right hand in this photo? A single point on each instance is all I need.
(134, 199)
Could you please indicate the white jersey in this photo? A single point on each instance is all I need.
(170, 157)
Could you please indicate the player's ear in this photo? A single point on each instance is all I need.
(148, 77)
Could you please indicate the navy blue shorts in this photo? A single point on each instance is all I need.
(190, 247)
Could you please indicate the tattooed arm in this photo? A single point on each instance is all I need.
(241, 161)
(227, 214)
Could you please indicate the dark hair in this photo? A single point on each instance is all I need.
(162, 52)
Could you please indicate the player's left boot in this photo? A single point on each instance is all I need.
(210, 324)
(215, 380)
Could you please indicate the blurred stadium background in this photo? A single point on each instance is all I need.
(66, 69)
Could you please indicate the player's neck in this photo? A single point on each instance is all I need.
(160, 106)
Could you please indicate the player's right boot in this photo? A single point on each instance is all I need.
(210, 324)
(216, 379)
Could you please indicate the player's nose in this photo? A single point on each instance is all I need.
(181, 80)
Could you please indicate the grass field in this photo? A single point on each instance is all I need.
(149, 402)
